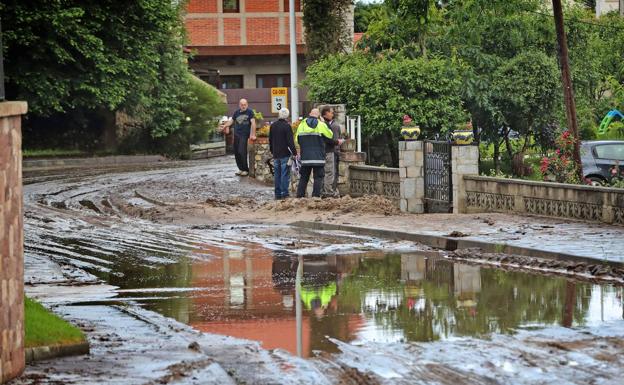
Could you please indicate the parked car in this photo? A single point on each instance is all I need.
(599, 157)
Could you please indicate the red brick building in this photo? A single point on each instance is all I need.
(242, 47)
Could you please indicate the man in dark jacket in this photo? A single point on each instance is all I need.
(282, 146)
(332, 147)
(311, 136)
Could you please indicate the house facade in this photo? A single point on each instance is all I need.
(242, 47)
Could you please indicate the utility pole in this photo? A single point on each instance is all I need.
(294, 91)
(621, 7)
(568, 91)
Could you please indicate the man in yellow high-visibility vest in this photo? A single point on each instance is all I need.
(312, 134)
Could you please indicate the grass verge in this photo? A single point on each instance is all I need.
(44, 328)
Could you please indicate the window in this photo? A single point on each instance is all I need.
(610, 151)
(297, 6)
(228, 82)
(231, 6)
(269, 81)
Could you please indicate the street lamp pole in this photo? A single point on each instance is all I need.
(294, 92)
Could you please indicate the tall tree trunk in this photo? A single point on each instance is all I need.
(497, 156)
(508, 145)
(394, 155)
(568, 90)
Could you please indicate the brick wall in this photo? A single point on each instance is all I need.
(262, 5)
(202, 6)
(259, 22)
(262, 30)
(232, 32)
(11, 242)
(202, 31)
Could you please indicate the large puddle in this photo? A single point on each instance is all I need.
(298, 290)
(299, 303)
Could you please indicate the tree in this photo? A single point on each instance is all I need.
(364, 14)
(200, 112)
(89, 58)
(384, 89)
(326, 30)
(528, 93)
(400, 25)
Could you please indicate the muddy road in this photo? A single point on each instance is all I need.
(189, 275)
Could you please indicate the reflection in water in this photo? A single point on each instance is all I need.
(294, 303)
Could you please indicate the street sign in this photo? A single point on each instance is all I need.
(279, 99)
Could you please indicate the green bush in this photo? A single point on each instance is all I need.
(383, 89)
(201, 112)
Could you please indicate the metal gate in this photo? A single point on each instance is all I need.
(438, 180)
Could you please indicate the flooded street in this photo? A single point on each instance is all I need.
(133, 256)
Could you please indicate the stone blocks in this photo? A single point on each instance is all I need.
(11, 242)
(464, 162)
(411, 173)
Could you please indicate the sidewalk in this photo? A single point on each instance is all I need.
(554, 238)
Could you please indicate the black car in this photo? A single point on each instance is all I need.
(599, 157)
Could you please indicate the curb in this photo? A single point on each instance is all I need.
(118, 160)
(451, 244)
(41, 353)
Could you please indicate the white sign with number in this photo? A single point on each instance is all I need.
(279, 99)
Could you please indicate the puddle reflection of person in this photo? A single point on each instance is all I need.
(318, 299)
(319, 289)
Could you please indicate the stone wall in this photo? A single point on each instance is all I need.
(599, 204)
(11, 242)
(371, 180)
(259, 153)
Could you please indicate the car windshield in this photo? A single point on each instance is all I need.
(610, 151)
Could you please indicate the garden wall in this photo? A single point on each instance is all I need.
(259, 169)
(11, 242)
(599, 204)
(371, 180)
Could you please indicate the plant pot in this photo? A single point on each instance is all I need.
(349, 145)
(410, 133)
(463, 137)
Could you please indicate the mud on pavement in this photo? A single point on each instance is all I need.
(190, 275)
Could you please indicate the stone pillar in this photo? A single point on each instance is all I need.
(259, 153)
(347, 159)
(411, 173)
(464, 161)
(11, 242)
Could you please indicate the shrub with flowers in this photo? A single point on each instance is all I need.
(617, 176)
(560, 167)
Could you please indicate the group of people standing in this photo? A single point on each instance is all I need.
(318, 137)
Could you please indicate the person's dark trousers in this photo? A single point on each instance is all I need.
(304, 178)
(240, 152)
(282, 177)
(336, 170)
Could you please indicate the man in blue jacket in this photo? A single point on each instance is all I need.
(312, 134)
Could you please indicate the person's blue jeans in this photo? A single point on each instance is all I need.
(282, 177)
